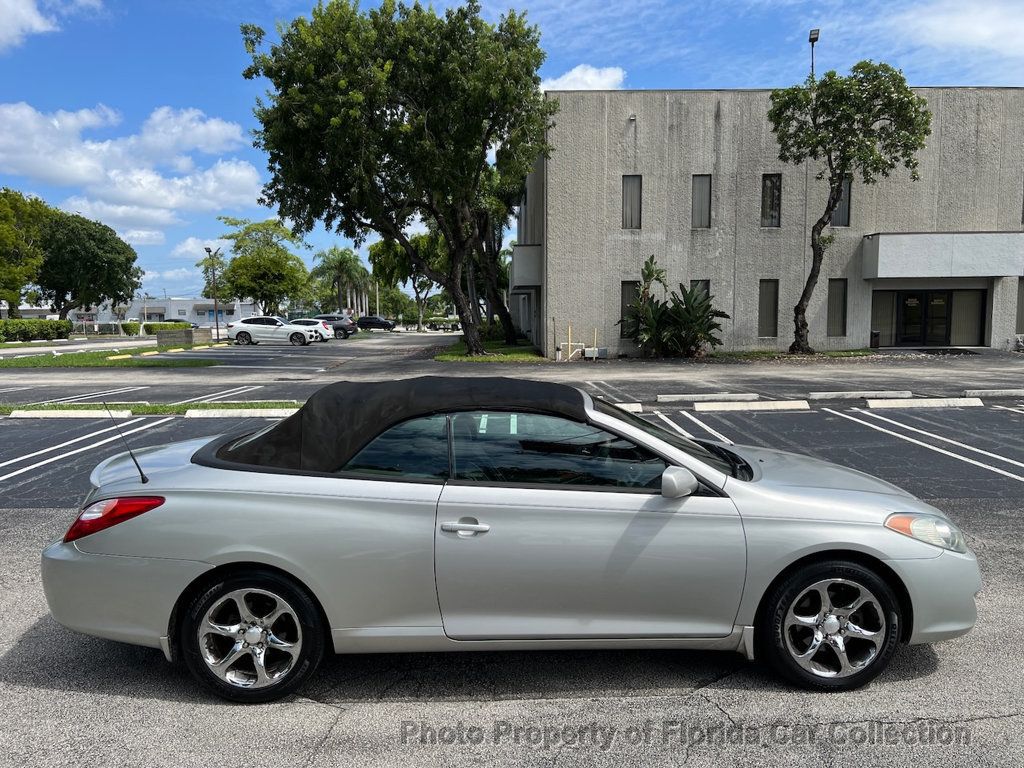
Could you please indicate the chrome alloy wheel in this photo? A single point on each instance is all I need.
(250, 638)
(834, 628)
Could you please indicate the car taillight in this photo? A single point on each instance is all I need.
(324, 324)
(109, 512)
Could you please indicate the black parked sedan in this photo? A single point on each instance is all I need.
(342, 324)
(371, 322)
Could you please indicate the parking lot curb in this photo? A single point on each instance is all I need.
(994, 393)
(79, 414)
(631, 407)
(863, 395)
(763, 405)
(927, 402)
(239, 413)
(699, 397)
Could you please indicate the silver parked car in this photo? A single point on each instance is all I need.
(253, 330)
(450, 514)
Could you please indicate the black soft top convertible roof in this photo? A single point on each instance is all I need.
(338, 420)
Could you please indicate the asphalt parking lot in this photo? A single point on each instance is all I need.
(128, 706)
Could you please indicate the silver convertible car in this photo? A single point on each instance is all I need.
(448, 514)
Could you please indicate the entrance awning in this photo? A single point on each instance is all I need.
(943, 254)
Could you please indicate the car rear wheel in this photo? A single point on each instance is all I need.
(830, 626)
(243, 337)
(319, 336)
(298, 340)
(252, 637)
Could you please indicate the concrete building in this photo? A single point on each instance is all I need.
(160, 310)
(693, 177)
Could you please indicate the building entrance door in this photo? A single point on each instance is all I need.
(922, 318)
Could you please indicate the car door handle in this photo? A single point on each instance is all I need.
(465, 528)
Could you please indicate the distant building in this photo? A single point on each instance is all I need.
(189, 310)
(693, 177)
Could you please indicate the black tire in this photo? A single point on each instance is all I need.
(868, 658)
(298, 340)
(243, 337)
(308, 629)
(319, 336)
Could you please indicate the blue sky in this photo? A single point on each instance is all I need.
(134, 112)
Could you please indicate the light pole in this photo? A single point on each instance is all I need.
(812, 38)
(212, 256)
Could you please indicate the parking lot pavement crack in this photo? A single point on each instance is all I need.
(916, 720)
(719, 707)
(323, 740)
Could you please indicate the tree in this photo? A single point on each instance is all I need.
(85, 264)
(344, 270)
(493, 214)
(263, 269)
(375, 118)
(864, 124)
(22, 222)
(392, 265)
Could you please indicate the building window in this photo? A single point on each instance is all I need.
(182, 313)
(704, 286)
(771, 200)
(630, 295)
(841, 215)
(837, 307)
(700, 203)
(768, 308)
(632, 201)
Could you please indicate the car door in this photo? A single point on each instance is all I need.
(551, 528)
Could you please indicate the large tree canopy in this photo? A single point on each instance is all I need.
(376, 117)
(392, 265)
(85, 264)
(22, 223)
(864, 125)
(343, 270)
(263, 268)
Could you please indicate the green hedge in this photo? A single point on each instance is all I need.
(131, 329)
(30, 330)
(154, 327)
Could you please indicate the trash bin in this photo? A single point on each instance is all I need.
(876, 339)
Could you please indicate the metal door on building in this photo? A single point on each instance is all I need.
(922, 318)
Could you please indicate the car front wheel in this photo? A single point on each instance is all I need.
(830, 626)
(252, 637)
(243, 337)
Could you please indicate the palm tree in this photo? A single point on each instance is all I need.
(345, 272)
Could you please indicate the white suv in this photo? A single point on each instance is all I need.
(253, 330)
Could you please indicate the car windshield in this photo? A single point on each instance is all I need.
(724, 461)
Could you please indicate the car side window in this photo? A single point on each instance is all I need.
(529, 448)
(415, 450)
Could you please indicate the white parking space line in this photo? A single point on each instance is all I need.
(1007, 408)
(89, 447)
(210, 397)
(706, 428)
(67, 443)
(89, 396)
(672, 424)
(612, 388)
(943, 451)
(940, 437)
(603, 391)
(14, 389)
(244, 390)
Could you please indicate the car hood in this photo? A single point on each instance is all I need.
(791, 470)
(154, 461)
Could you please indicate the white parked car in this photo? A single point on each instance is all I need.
(253, 330)
(324, 330)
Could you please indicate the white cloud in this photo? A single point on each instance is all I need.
(138, 182)
(194, 248)
(142, 236)
(990, 26)
(21, 18)
(584, 77)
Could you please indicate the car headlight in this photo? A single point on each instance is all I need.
(929, 529)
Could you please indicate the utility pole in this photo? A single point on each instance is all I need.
(376, 287)
(812, 38)
(212, 256)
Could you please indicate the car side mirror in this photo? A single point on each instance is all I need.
(280, 324)
(678, 483)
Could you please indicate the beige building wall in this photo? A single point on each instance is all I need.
(972, 179)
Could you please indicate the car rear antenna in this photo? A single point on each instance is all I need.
(142, 475)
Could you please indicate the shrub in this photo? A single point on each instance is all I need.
(154, 327)
(31, 330)
(131, 329)
(681, 326)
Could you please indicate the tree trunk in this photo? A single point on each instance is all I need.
(470, 326)
(504, 316)
(801, 343)
(341, 289)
